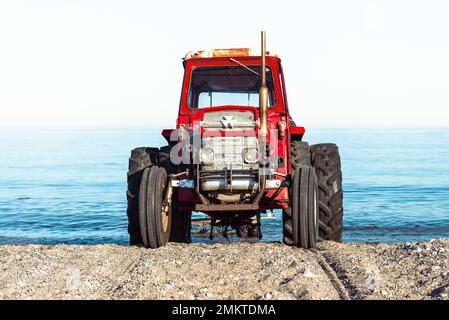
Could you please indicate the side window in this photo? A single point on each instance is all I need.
(283, 97)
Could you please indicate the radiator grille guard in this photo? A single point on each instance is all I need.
(229, 121)
(229, 170)
(229, 148)
(229, 152)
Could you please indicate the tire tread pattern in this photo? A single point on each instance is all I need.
(327, 164)
(299, 154)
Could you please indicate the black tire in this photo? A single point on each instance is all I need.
(313, 214)
(181, 224)
(327, 164)
(300, 218)
(132, 211)
(299, 154)
(141, 158)
(287, 219)
(164, 159)
(146, 230)
(155, 232)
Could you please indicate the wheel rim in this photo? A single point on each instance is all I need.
(165, 220)
(165, 216)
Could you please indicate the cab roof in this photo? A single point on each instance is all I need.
(218, 53)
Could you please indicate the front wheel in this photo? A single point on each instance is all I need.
(300, 219)
(154, 223)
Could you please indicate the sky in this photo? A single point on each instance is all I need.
(119, 63)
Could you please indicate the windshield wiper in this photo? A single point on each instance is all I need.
(246, 67)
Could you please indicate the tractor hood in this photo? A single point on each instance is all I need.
(229, 119)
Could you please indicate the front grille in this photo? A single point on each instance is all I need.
(228, 152)
(229, 121)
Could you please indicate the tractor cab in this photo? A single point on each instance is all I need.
(229, 77)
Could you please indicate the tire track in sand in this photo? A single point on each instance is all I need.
(332, 274)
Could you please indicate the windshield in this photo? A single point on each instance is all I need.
(228, 85)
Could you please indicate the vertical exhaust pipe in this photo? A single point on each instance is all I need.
(263, 93)
(263, 117)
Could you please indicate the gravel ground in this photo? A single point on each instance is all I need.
(391, 271)
(226, 271)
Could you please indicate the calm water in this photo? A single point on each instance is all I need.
(69, 186)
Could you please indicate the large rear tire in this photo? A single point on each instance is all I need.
(164, 159)
(132, 211)
(301, 218)
(140, 159)
(155, 225)
(327, 164)
(299, 154)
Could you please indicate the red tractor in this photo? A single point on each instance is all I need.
(235, 153)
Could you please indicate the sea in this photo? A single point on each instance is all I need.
(69, 185)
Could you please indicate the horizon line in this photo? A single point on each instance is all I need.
(160, 127)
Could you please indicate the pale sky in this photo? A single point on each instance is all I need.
(118, 63)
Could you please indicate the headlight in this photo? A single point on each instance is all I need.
(250, 155)
(207, 155)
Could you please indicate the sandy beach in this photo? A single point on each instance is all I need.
(226, 271)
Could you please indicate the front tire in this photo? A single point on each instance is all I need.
(301, 218)
(154, 224)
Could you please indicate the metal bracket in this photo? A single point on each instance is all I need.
(166, 204)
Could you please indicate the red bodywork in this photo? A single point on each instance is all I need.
(277, 114)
